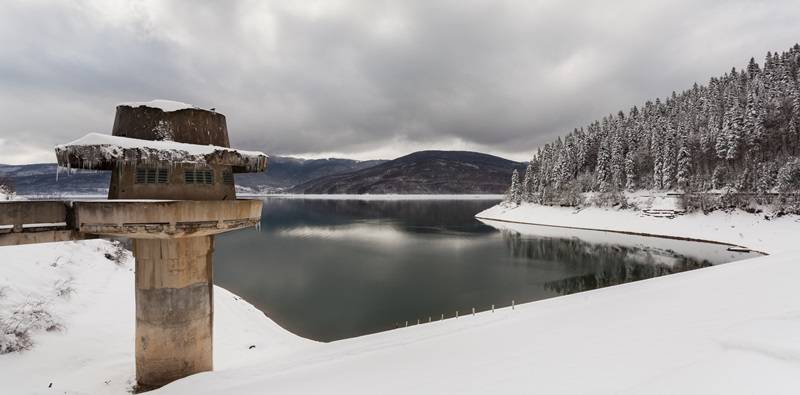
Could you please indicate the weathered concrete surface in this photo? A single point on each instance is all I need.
(124, 186)
(42, 236)
(19, 213)
(190, 126)
(193, 126)
(29, 222)
(174, 313)
(163, 219)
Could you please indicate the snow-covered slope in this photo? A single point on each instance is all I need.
(732, 329)
(71, 305)
(728, 329)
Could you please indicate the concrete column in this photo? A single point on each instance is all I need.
(174, 308)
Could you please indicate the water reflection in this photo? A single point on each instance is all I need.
(604, 264)
(332, 269)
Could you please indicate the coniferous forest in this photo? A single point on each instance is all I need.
(739, 135)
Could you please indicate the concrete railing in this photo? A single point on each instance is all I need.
(17, 215)
(25, 222)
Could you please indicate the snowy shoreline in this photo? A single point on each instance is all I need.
(735, 228)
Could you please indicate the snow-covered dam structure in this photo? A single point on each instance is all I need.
(171, 190)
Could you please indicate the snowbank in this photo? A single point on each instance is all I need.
(163, 105)
(736, 227)
(71, 305)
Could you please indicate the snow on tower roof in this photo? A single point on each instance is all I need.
(163, 105)
(104, 152)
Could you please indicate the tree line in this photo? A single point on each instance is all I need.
(740, 133)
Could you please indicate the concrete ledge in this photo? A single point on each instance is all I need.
(47, 236)
(165, 219)
(28, 222)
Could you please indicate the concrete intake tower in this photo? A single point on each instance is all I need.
(172, 189)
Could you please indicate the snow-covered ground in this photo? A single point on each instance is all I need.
(732, 329)
(71, 305)
(736, 227)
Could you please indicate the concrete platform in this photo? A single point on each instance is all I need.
(25, 222)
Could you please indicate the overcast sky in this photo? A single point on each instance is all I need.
(365, 79)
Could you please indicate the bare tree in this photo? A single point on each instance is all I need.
(6, 185)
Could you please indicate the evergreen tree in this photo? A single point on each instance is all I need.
(515, 191)
(684, 167)
(630, 172)
(602, 170)
(529, 184)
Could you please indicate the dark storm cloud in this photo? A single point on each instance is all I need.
(366, 77)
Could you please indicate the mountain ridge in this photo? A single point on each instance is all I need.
(421, 172)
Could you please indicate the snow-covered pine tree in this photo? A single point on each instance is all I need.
(669, 158)
(789, 176)
(617, 159)
(515, 191)
(630, 171)
(718, 177)
(794, 122)
(684, 167)
(657, 148)
(529, 184)
(602, 170)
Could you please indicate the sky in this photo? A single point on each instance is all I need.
(366, 79)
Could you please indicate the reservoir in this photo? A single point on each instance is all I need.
(333, 269)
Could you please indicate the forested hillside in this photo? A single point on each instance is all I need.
(738, 134)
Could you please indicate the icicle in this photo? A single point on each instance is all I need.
(58, 167)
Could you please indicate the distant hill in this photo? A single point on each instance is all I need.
(423, 172)
(41, 179)
(286, 172)
(283, 173)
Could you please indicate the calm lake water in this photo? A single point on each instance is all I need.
(333, 269)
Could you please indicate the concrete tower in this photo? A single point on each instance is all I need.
(176, 154)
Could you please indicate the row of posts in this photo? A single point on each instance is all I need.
(430, 318)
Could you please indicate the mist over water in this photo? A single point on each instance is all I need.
(333, 269)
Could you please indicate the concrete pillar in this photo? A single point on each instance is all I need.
(174, 308)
